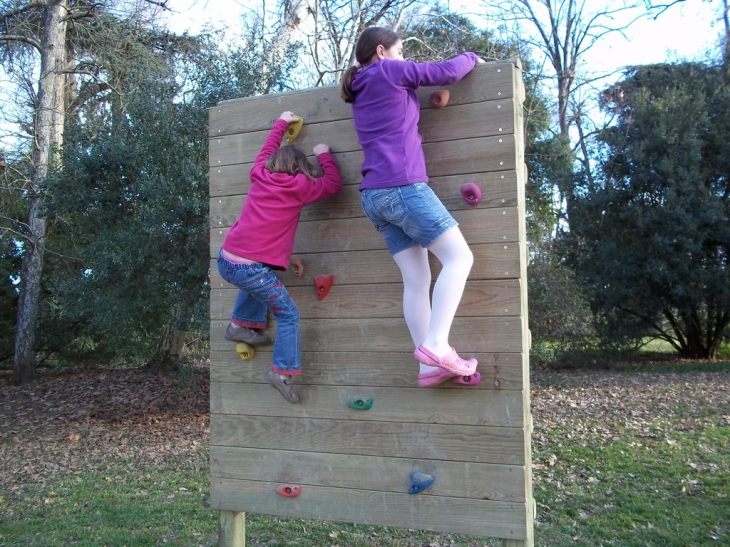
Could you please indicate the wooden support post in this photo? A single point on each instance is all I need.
(231, 529)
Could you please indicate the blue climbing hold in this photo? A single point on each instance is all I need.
(420, 482)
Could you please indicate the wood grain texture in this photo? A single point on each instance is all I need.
(435, 513)
(477, 444)
(454, 479)
(485, 335)
(432, 406)
(499, 371)
(481, 299)
(497, 261)
(488, 82)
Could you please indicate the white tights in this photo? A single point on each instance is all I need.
(429, 321)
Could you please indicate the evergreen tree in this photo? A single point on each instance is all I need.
(654, 241)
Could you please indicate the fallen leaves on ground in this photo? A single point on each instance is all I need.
(72, 421)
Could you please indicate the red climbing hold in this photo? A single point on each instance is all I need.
(323, 284)
(472, 193)
(440, 98)
(288, 490)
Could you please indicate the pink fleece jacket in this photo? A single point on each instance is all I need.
(265, 230)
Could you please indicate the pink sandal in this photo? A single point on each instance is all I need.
(436, 377)
(451, 363)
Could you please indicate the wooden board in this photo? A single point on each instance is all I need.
(499, 371)
(354, 465)
(455, 479)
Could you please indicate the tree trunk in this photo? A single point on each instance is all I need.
(167, 356)
(48, 137)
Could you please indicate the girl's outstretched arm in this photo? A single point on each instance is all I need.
(273, 141)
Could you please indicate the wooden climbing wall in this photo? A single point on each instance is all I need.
(354, 465)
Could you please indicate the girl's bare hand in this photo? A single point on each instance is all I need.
(321, 149)
(289, 117)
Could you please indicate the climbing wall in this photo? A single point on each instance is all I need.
(363, 425)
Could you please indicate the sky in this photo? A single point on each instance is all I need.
(686, 30)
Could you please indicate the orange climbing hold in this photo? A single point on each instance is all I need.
(297, 266)
(323, 284)
(440, 98)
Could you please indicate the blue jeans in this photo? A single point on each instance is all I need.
(406, 215)
(260, 289)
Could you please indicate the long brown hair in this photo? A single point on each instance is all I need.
(367, 45)
(289, 159)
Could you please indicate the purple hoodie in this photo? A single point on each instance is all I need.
(386, 112)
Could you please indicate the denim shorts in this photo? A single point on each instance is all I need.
(406, 215)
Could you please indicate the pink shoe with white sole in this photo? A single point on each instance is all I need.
(450, 363)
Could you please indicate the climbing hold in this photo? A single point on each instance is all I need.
(323, 284)
(440, 98)
(470, 380)
(297, 266)
(294, 128)
(358, 403)
(420, 482)
(289, 490)
(245, 351)
(471, 192)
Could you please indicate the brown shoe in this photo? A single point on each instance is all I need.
(236, 333)
(281, 383)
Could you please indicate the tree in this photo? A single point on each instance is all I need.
(653, 242)
(65, 37)
(50, 42)
(564, 31)
(134, 199)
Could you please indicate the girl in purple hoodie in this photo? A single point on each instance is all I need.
(381, 87)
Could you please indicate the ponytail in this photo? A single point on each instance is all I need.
(365, 49)
(346, 84)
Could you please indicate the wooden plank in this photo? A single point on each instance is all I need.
(480, 299)
(473, 155)
(453, 479)
(491, 261)
(469, 335)
(226, 180)
(487, 82)
(464, 122)
(357, 234)
(498, 190)
(469, 121)
(432, 406)
(439, 514)
(478, 444)
(500, 371)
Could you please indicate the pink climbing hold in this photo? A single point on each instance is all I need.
(471, 192)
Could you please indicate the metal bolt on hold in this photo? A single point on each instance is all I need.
(496, 383)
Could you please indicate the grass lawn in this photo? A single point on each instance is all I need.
(120, 458)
